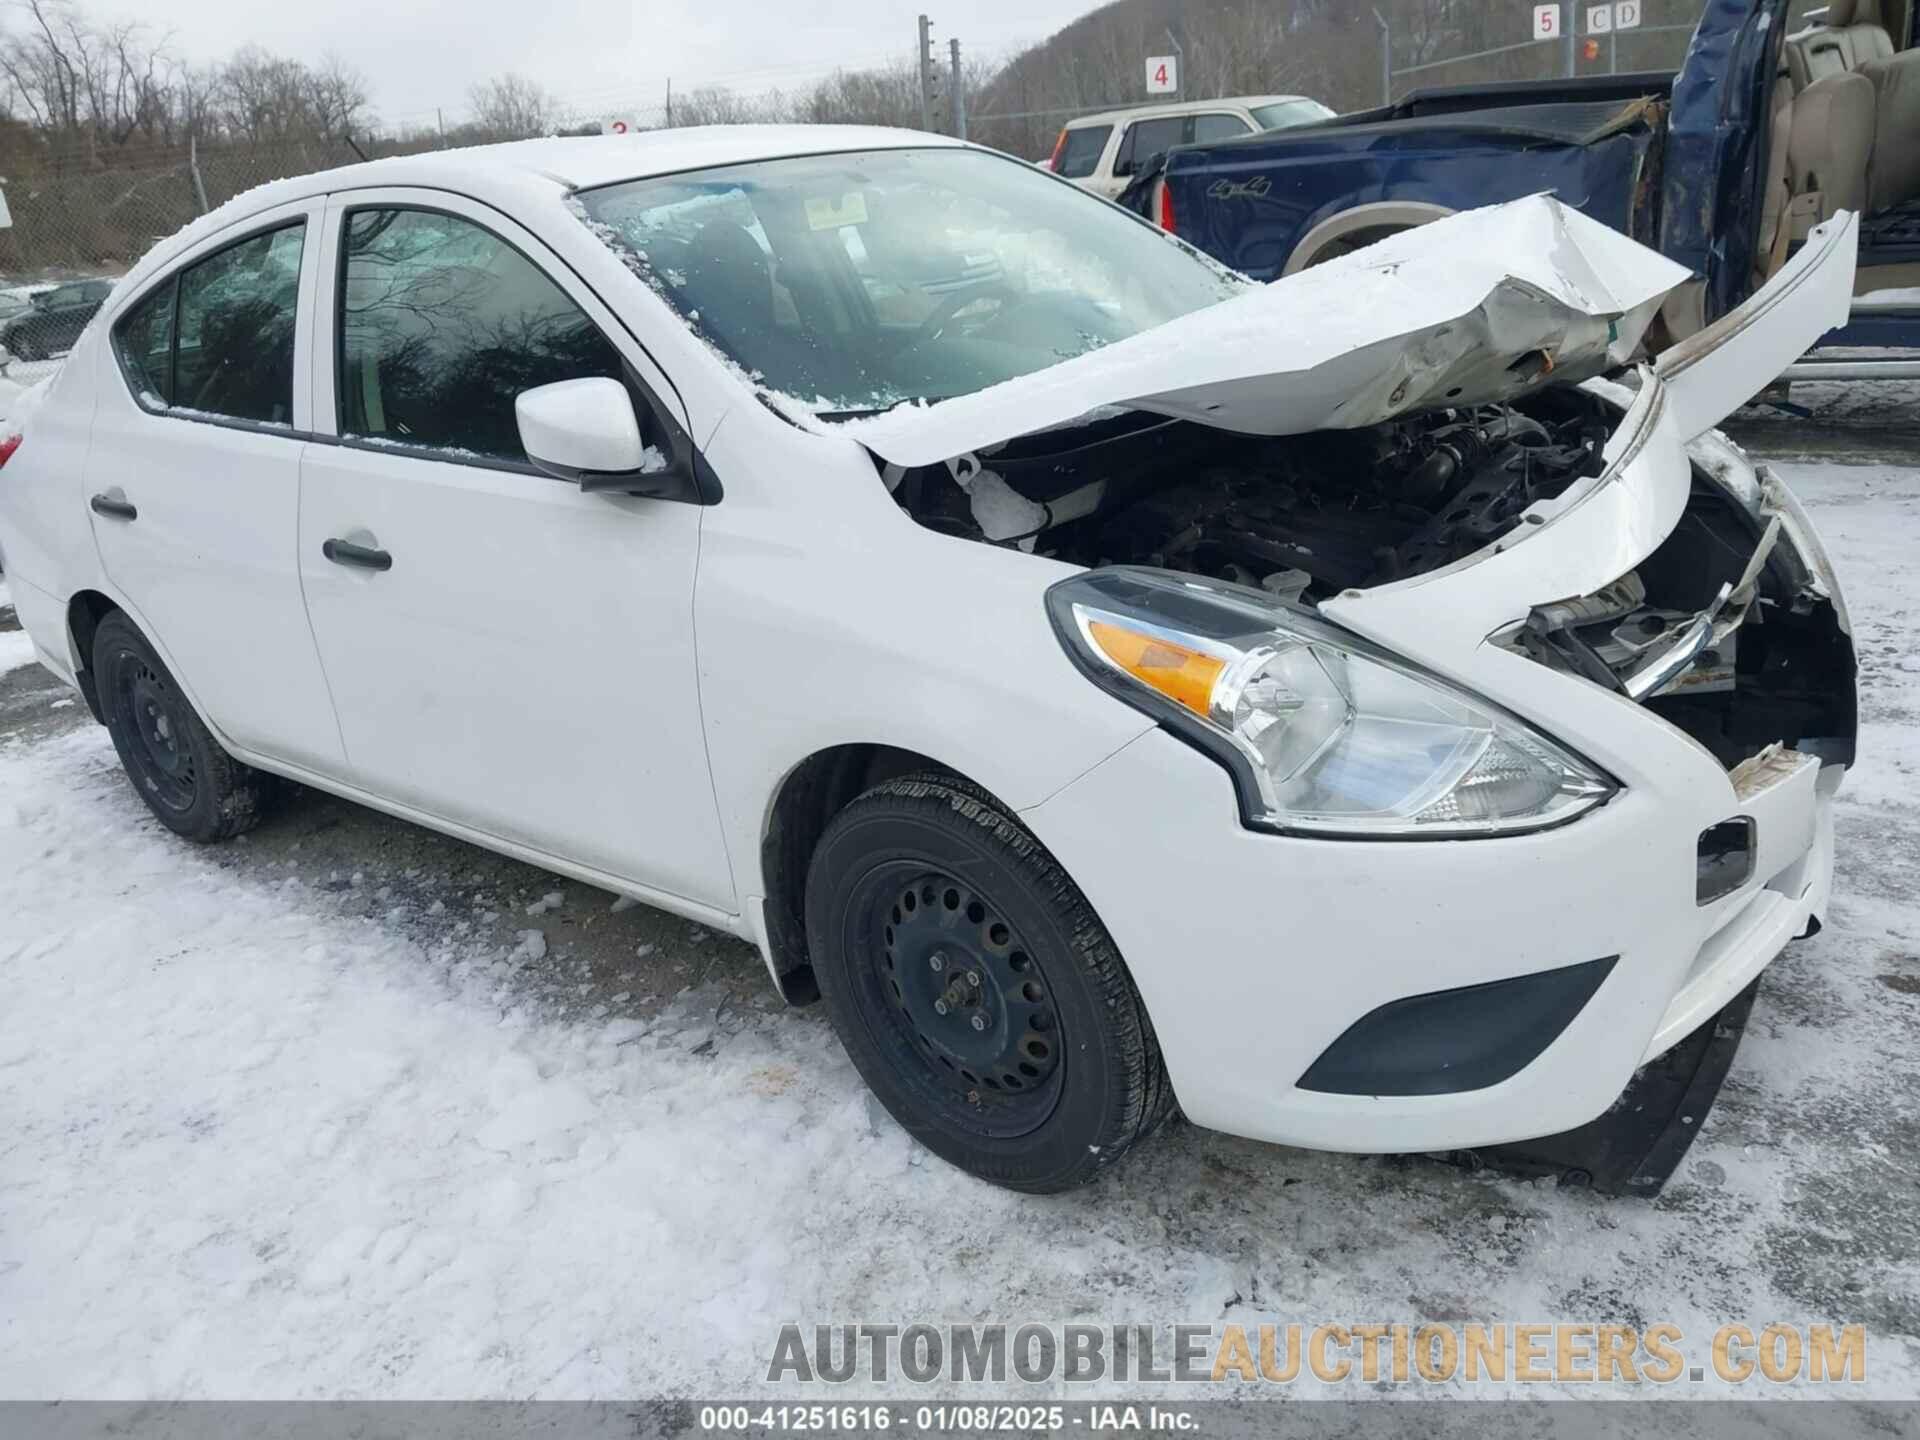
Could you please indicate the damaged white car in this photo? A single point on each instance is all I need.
(1371, 711)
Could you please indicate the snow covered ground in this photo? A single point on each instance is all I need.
(274, 1127)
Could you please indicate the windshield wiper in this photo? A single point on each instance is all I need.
(869, 413)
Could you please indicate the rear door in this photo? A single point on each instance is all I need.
(193, 480)
(521, 661)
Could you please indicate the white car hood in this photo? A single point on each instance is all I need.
(1477, 308)
(1600, 528)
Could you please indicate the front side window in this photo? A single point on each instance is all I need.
(851, 283)
(218, 338)
(442, 324)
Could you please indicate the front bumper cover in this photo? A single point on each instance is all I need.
(1255, 952)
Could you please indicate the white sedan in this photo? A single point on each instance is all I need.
(1340, 708)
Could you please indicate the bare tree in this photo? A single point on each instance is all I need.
(717, 105)
(512, 107)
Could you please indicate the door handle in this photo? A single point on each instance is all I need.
(362, 557)
(114, 506)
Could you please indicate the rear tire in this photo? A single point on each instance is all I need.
(976, 991)
(192, 786)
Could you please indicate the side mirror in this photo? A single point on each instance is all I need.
(1123, 167)
(585, 432)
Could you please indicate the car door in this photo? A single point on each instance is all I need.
(521, 662)
(193, 481)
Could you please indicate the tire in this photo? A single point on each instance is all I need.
(192, 786)
(1042, 1070)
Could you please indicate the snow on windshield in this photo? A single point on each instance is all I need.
(847, 284)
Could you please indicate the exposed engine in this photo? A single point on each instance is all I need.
(1305, 516)
(1720, 629)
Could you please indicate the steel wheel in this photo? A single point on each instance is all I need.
(975, 990)
(192, 786)
(154, 714)
(966, 995)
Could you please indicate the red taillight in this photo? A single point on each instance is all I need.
(1166, 207)
(8, 445)
(1053, 160)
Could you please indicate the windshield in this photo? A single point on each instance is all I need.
(1290, 112)
(852, 283)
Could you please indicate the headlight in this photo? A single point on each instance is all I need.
(1323, 732)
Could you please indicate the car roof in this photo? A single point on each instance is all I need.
(1180, 107)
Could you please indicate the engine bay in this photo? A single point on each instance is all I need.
(1721, 629)
(1304, 516)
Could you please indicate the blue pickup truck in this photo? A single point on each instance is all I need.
(1725, 166)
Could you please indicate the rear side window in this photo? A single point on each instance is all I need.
(218, 337)
(1148, 138)
(233, 347)
(1217, 127)
(1080, 156)
(442, 324)
(145, 343)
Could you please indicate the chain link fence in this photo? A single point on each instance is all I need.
(79, 223)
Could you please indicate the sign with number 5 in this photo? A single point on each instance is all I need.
(1546, 22)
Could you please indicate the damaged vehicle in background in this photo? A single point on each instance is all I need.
(1373, 711)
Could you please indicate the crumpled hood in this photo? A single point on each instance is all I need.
(1479, 308)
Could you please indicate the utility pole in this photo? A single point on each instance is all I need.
(1571, 30)
(1386, 57)
(956, 91)
(193, 169)
(926, 73)
(1181, 55)
(669, 102)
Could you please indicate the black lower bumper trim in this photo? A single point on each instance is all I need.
(1636, 1146)
(1449, 1041)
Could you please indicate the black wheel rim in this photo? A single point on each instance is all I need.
(153, 718)
(956, 996)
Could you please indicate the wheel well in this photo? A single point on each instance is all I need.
(85, 611)
(814, 791)
(1349, 230)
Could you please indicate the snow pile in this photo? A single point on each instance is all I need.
(251, 1150)
(16, 646)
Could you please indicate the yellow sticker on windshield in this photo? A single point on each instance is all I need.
(824, 213)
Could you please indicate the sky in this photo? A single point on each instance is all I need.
(611, 55)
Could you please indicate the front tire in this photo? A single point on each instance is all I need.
(192, 786)
(976, 991)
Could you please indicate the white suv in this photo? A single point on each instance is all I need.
(1102, 152)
